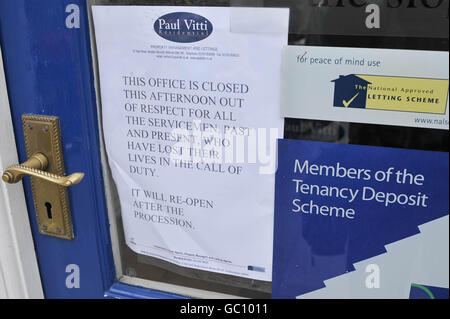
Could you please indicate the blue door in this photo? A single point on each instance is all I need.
(49, 72)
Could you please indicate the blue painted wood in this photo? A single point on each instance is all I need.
(124, 291)
(49, 71)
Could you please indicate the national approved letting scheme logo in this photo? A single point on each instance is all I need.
(183, 27)
(391, 93)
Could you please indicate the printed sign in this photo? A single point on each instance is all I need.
(359, 221)
(190, 137)
(402, 94)
(360, 85)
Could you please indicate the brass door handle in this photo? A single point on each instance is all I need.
(36, 166)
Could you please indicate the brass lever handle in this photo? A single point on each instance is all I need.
(36, 167)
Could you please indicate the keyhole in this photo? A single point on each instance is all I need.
(49, 210)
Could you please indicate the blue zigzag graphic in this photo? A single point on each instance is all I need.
(312, 248)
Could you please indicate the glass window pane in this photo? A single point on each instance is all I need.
(316, 23)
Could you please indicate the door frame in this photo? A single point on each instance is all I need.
(19, 272)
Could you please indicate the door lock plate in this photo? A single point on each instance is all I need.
(51, 201)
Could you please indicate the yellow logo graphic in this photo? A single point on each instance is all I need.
(346, 104)
(390, 93)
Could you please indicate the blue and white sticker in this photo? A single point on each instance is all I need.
(359, 221)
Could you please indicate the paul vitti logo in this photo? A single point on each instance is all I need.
(183, 27)
(391, 93)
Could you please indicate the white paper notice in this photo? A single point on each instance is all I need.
(191, 114)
